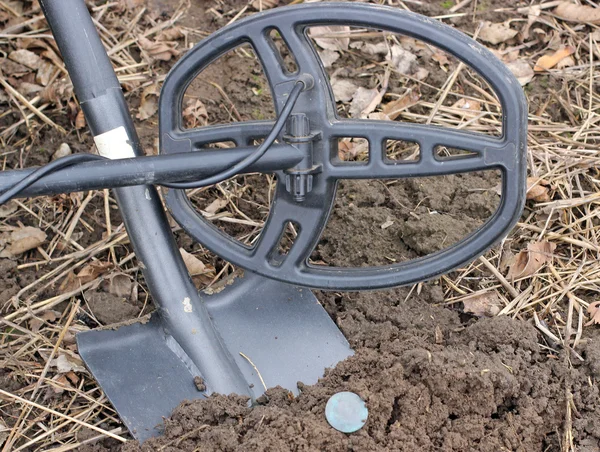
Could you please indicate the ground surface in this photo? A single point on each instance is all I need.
(438, 370)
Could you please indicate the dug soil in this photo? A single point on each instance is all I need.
(433, 377)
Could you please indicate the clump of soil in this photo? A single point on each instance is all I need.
(430, 381)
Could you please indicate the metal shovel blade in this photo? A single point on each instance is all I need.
(281, 328)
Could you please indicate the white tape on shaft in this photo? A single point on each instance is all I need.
(114, 144)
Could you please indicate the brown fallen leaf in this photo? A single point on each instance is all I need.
(92, 270)
(194, 265)
(80, 120)
(216, 205)
(496, 33)
(547, 62)
(537, 189)
(195, 114)
(395, 108)
(578, 13)
(148, 103)
(467, 108)
(67, 363)
(332, 37)
(530, 261)
(350, 149)
(45, 73)
(22, 240)
(593, 311)
(487, 304)
(26, 58)
(171, 34)
(162, 51)
(522, 70)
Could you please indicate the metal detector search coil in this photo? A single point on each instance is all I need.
(505, 153)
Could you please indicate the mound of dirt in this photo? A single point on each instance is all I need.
(430, 381)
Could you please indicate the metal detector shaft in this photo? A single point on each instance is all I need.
(152, 170)
(106, 112)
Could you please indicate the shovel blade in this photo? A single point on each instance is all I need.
(282, 331)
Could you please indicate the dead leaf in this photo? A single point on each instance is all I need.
(593, 311)
(195, 114)
(26, 58)
(80, 120)
(353, 149)
(148, 103)
(532, 17)
(547, 62)
(395, 108)
(22, 240)
(194, 265)
(92, 270)
(379, 116)
(26, 88)
(216, 205)
(7, 209)
(537, 189)
(162, 51)
(343, 89)
(578, 13)
(328, 57)
(66, 364)
(326, 38)
(487, 304)
(361, 101)
(171, 34)
(530, 261)
(63, 383)
(496, 33)
(45, 73)
(402, 60)
(12, 68)
(261, 5)
(441, 57)
(381, 48)
(566, 62)
(468, 108)
(522, 70)
(118, 284)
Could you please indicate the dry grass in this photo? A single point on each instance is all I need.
(45, 409)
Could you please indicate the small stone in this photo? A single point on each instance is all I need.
(199, 382)
(63, 150)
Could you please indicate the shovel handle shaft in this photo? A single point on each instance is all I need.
(108, 118)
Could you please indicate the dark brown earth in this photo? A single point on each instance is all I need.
(432, 377)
